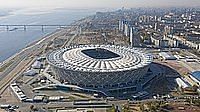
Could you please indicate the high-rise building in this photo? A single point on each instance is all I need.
(155, 26)
(131, 35)
(155, 18)
(120, 25)
(126, 29)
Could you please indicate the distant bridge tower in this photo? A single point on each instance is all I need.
(24, 27)
(42, 27)
(7, 27)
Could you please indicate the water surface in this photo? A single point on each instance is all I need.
(14, 40)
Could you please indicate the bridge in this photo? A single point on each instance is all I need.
(42, 26)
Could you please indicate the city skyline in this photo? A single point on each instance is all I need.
(97, 3)
(99, 55)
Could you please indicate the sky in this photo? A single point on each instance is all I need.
(95, 3)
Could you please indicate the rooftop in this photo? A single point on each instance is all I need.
(99, 58)
(196, 74)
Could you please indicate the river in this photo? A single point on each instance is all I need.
(16, 39)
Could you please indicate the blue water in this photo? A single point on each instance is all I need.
(12, 42)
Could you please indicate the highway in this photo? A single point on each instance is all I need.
(20, 58)
(23, 60)
(36, 25)
(70, 41)
(10, 73)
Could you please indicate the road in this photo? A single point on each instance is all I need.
(35, 49)
(70, 41)
(23, 60)
(186, 66)
(48, 76)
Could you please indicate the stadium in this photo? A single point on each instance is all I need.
(106, 68)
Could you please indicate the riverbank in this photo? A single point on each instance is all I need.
(8, 61)
(14, 41)
(29, 45)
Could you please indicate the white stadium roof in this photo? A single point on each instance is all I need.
(73, 58)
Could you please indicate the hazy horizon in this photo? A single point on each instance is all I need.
(52, 4)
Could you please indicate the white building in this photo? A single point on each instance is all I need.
(167, 56)
(159, 41)
(121, 25)
(181, 83)
(131, 36)
(30, 72)
(172, 42)
(126, 29)
(37, 65)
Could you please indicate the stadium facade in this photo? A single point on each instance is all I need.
(106, 68)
